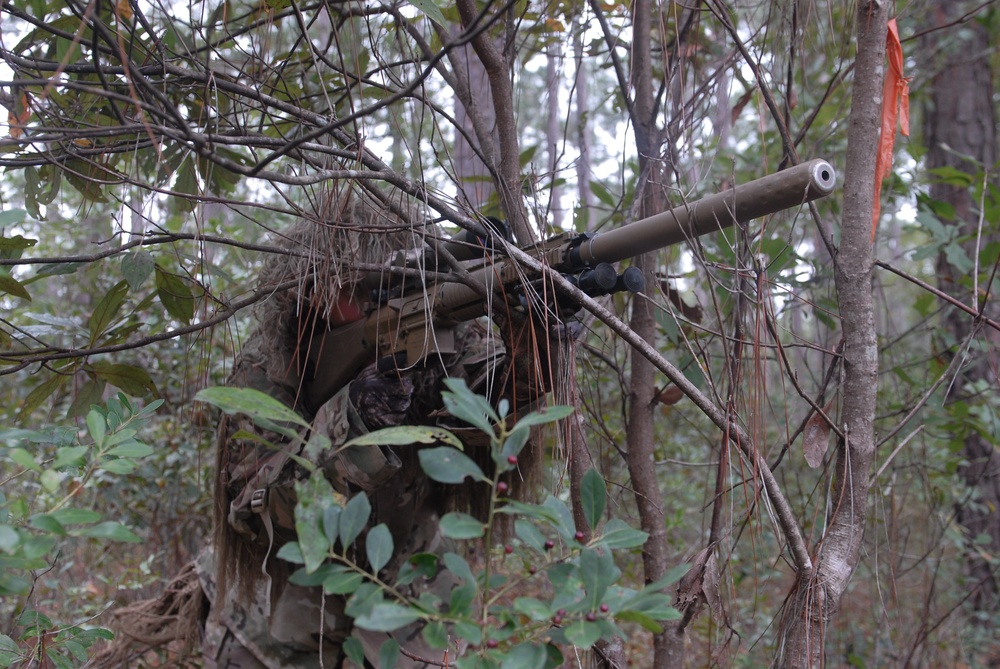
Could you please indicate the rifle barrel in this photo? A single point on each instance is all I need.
(767, 195)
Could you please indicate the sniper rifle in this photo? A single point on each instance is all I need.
(403, 324)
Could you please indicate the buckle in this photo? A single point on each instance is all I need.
(258, 500)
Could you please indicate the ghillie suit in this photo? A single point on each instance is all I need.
(258, 618)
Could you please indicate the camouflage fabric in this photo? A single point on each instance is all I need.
(291, 626)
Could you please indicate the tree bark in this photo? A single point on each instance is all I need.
(668, 647)
(817, 592)
(961, 133)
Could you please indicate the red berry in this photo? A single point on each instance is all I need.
(561, 613)
(578, 536)
(557, 619)
(532, 569)
(549, 545)
(501, 487)
(512, 459)
(591, 617)
(492, 643)
(508, 549)
(604, 608)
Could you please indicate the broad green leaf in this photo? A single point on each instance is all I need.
(447, 465)
(457, 525)
(431, 10)
(640, 618)
(525, 656)
(471, 633)
(598, 572)
(529, 534)
(353, 518)
(23, 458)
(406, 434)
(326, 570)
(582, 634)
(545, 416)
(251, 402)
(593, 496)
(436, 635)
(457, 565)
(106, 311)
(331, 522)
(364, 599)
(12, 286)
(50, 480)
(9, 652)
(355, 651)
(379, 547)
(420, 565)
(175, 295)
(137, 265)
(617, 534)
(388, 654)
(343, 583)
(564, 525)
(109, 529)
(47, 523)
(72, 516)
(134, 449)
(291, 552)
(387, 617)
(97, 426)
(465, 405)
(533, 608)
(131, 379)
(38, 396)
(314, 495)
(9, 539)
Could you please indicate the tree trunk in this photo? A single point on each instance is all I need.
(668, 649)
(816, 596)
(961, 133)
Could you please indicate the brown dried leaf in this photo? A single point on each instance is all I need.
(816, 438)
(669, 396)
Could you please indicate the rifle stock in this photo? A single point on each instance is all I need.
(417, 323)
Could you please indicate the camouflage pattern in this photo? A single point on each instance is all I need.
(291, 626)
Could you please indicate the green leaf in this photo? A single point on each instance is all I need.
(12, 286)
(23, 458)
(137, 266)
(545, 416)
(50, 480)
(9, 539)
(406, 434)
(471, 633)
(97, 426)
(457, 565)
(71, 516)
(38, 396)
(431, 10)
(640, 618)
(343, 583)
(598, 572)
(593, 496)
(47, 523)
(457, 525)
(436, 635)
(388, 654)
(175, 295)
(314, 495)
(387, 617)
(582, 634)
(353, 518)
(9, 652)
(447, 465)
(133, 449)
(70, 456)
(530, 535)
(331, 523)
(107, 310)
(533, 608)
(364, 599)
(250, 402)
(109, 529)
(291, 552)
(379, 547)
(132, 380)
(525, 656)
(465, 405)
(617, 534)
(354, 650)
